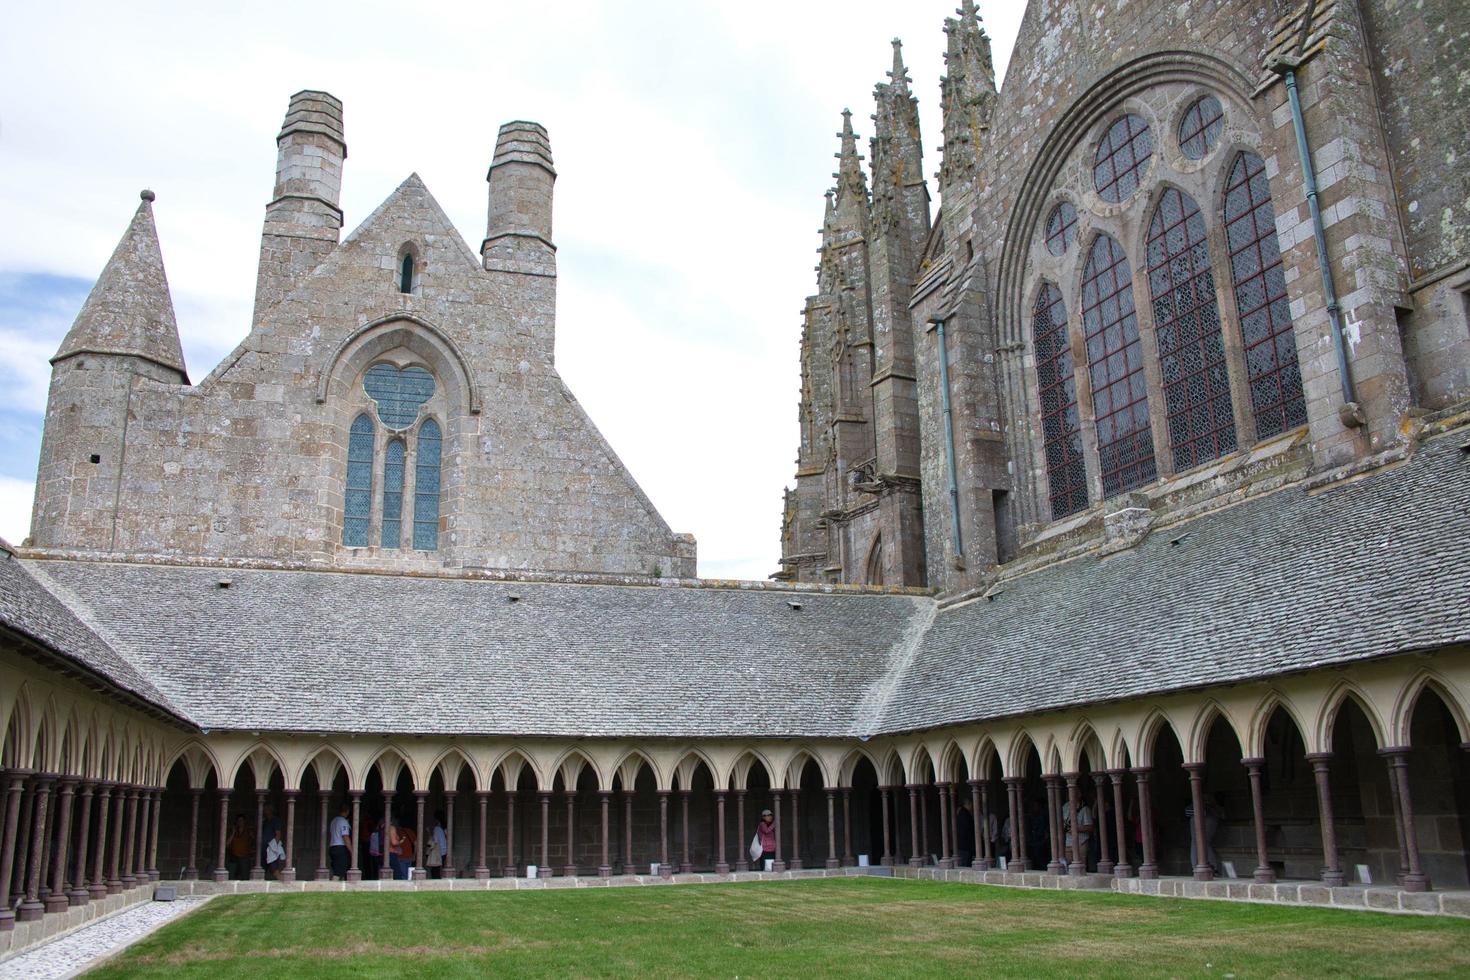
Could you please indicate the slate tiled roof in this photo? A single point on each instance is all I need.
(293, 650)
(1292, 581)
(29, 608)
(1295, 580)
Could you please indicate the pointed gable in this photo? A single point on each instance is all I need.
(129, 310)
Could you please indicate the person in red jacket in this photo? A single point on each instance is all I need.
(766, 831)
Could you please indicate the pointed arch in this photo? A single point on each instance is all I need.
(873, 574)
(258, 754)
(985, 751)
(689, 761)
(628, 765)
(1341, 692)
(1199, 733)
(1115, 368)
(428, 456)
(326, 761)
(569, 766)
(850, 762)
(400, 329)
(1148, 734)
(1061, 423)
(357, 503)
(16, 753)
(892, 771)
(198, 759)
(948, 771)
(1408, 699)
(1082, 741)
(455, 757)
(1022, 745)
(797, 765)
(1255, 742)
(512, 763)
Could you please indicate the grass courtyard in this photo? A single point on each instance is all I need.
(826, 927)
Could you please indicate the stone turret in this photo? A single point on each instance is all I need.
(521, 178)
(124, 336)
(303, 221)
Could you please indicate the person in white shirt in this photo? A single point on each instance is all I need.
(1084, 830)
(339, 843)
(437, 855)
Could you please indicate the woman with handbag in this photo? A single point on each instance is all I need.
(765, 835)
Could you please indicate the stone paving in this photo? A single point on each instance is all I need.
(71, 954)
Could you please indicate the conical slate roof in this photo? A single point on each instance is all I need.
(129, 310)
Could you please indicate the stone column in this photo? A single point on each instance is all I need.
(17, 886)
(78, 894)
(419, 872)
(778, 864)
(831, 828)
(1264, 872)
(848, 859)
(924, 822)
(980, 807)
(145, 822)
(544, 870)
(1201, 870)
(722, 864)
(796, 864)
(1100, 823)
(482, 870)
(1078, 867)
(604, 870)
(385, 867)
(1054, 823)
(684, 866)
(129, 839)
(742, 858)
(288, 873)
(323, 866)
(31, 908)
(1332, 875)
(1150, 867)
(191, 869)
(97, 888)
(1018, 837)
(354, 873)
(14, 784)
(886, 860)
(570, 870)
(1121, 868)
(257, 870)
(946, 860)
(915, 856)
(221, 869)
(629, 868)
(1411, 874)
(153, 834)
(663, 832)
(58, 901)
(510, 833)
(448, 870)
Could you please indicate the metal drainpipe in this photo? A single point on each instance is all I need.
(954, 482)
(1351, 412)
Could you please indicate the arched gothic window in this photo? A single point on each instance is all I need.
(358, 503)
(393, 494)
(1187, 326)
(405, 273)
(1115, 368)
(1122, 158)
(1057, 381)
(1260, 299)
(426, 487)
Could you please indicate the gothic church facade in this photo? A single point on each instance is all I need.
(1132, 475)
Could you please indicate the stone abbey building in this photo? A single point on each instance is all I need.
(1133, 474)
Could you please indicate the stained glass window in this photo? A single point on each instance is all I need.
(1061, 228)
(1115, 368)
(1187, 325)
(405, 274)
(358, 503)
(1061, 430)
(1260, 299)
(426, 487)
(393, 494)
(398, 393)
(1201, 127)
(1122, 158)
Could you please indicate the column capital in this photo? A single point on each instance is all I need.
(720, 793)
(1013, 780)
(832, 789)
(1394, 751)
(1117, 772)
(665, 792)
(421, 794)
(291, 794)
(449, 794)
(1142, 772)
(605, 794)
(1253, 760)
(1194, 768)
(975, 782)
(483, 794)
(1100, 776)
(196, 790)
(1319, 759)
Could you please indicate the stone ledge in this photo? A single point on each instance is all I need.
(54, 925)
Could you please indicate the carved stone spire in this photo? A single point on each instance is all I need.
(899, 196)
(967, 94)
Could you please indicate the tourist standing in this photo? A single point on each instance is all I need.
(339, 841)
(766, 831)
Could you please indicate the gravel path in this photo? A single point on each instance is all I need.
(69, 955)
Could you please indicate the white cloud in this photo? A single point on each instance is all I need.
(15, 508)
(693, 143)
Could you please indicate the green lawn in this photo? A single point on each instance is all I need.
(827, 927)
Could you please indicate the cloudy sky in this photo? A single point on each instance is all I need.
(693, 143)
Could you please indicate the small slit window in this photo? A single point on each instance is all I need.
(1122, 158)
(405, 273)
(1057, 382)
(426, 487)
(358, 504)
(1061, 228)
(1200, 129)
(393, 494)
(1260, 299)
(1115, 368)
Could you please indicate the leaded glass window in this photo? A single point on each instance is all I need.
(393, 494)
(1201, 127)
(358, 503)
(426, 487)
(1061, 430)
(1187, 324)
(1122, 158)
(399, 393)
(1061, 228)
(1260, 299)
(405, 273)
(1115, 369)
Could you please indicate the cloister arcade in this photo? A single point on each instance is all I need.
(1333, 775)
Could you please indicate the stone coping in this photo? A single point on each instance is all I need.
(54, 925)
